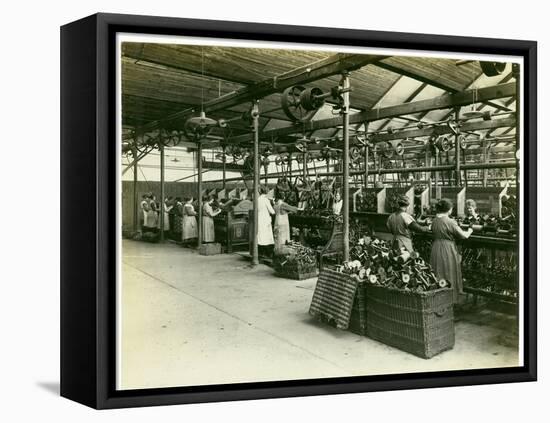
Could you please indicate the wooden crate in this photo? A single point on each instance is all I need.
(210, 249)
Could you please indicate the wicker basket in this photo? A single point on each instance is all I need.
(292, 269)
(335, 301)
(295, 271)
(419, 323)
(358, 318)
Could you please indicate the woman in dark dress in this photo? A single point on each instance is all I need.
(401, 223)
(177, 219)
(445, 259)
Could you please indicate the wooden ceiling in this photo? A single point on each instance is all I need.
(161, 79)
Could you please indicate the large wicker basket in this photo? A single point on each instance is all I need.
(294, 270)
(339, 300)
(418, 323)
(358, 318)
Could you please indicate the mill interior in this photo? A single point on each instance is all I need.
(343, 150)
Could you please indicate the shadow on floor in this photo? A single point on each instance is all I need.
(51, 387)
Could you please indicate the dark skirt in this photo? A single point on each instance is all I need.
(178, 224)
(445, 262)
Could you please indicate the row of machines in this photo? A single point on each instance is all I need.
(489, 255)
(231, 225)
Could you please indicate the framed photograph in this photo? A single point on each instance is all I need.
(259, 211)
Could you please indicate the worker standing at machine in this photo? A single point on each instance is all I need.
(400, 223)
(337, 204)
(444, 258)
(177, 217)
(471, 210)
(189, 230)
(144, 206)
(281, 230)
(208, 214)
(265, 231)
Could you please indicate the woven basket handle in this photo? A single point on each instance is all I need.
(441, 312)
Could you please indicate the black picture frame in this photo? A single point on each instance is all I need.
(88, 175)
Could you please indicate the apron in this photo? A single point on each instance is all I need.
(265, 232)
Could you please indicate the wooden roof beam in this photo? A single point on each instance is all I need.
(445, 101)
(330, 66)
(419, 76)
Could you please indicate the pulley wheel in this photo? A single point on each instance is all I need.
(462, 142)
(290, 103)
(355, 154)
(386, 149)
(310, 99)
(444, 143)
(492, 68)
(399, 148)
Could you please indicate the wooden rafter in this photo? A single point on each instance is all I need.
(445, 101)
(324, 68)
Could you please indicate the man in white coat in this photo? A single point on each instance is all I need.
(265, 231)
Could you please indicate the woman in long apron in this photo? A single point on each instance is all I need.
(281, 229)
(144, 206)
(445, 259)
(265, 231)
(166, 220)
(208, 214)
(189, 230)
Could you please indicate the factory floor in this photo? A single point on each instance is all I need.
(188, 319)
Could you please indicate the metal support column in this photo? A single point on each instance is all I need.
(366, 157)
(436, 172)
(199, 190)
(255, 121)
(162, 205)
(428, 175)
(345, 181)
(135, 193)
(223, 167)
(457, 150)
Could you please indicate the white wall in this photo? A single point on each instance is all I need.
(30, 272)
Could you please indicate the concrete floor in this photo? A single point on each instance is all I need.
(193, 320)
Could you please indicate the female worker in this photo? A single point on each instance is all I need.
(166, 219)
(151, 217)
(337, 204)
(177, 217)
(400, 223)
(144, 206)
(189, 229)
(265, 232)
(208, 213)
(471, 209)
(445, 259)
(281, 230)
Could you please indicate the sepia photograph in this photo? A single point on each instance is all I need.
(291, 211)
